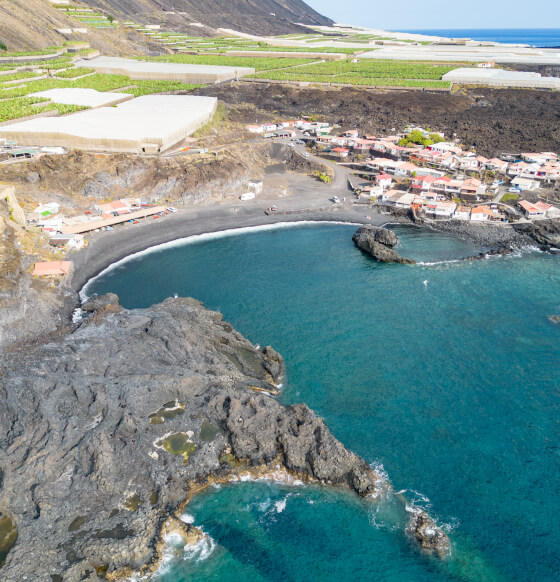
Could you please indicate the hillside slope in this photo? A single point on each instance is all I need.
(250, 16)
(31, 24)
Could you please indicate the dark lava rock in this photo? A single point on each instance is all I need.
(427, 534)
(379, 243)
(100, 302)
(87, 474)
(546, 233)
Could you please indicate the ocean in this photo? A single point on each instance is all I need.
(444, 374)
(539, 37)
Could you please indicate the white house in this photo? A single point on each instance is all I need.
(525, 183)
(384, 180)
(481, 213)
(462, 213)
(405, 169)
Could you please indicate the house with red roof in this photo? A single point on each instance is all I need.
(52, 268)
(384, 180)
(480, 213)
(423, 182)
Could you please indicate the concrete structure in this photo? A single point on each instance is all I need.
(288, 54)
(474, 54)
(256, 186)
(148, 124)
(501, 78)
(152, 71)
(85, 97)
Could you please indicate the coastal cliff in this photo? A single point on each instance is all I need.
(106, 430)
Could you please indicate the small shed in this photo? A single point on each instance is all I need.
(256, 186)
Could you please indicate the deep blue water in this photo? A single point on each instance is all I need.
(540, 37)
(448, 375)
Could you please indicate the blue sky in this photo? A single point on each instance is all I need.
(412, 14)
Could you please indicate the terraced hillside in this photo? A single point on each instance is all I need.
(32, 24)
(263, 17)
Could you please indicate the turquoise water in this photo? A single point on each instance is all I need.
(447, 374)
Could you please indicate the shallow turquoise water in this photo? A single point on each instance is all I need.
(447, 374)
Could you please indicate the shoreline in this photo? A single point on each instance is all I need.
(111, 247)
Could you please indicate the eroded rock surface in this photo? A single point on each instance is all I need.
(101, 430)
(379, 242)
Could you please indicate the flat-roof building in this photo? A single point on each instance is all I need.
(158, 71)
(148, 124)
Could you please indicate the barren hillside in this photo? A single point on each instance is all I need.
(250, 16)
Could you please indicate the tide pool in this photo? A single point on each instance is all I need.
(447, 374)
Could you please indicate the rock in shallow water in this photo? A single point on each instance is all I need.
(378, 243)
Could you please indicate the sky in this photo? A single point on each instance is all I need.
(412, 14)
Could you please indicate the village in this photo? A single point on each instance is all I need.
(414, 171)
(420, 170)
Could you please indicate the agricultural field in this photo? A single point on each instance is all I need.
(372, 73)
(257, 63)
(73, 72)
(5, 55)
(25, 106)
(15, 102)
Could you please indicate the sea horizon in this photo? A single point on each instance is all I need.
(539, 37)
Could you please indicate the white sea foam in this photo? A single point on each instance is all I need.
(281, 505)
(201, 238)
(78, 315)
(187, 518)
(200, 551)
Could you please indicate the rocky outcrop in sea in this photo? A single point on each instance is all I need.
(378, 242)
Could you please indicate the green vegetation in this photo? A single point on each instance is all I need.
(18, 76)
(8, 536)
(257, 63)
(3, 47)
(48, 51)
(366, 72)
(509, 197)
(219, 117)
(419, 138)
(26, 106)
(322, 177)
(97, 82)
(73, 72)
(150, 87)
(178, 444)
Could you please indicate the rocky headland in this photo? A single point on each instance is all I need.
(109, 426)
(379, 243)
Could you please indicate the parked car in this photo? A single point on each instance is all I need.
(171, 209)
(336, 199)
(515, 190)
(305, 154)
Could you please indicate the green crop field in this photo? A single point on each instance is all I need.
(366, 72)
(73, 72)
(48, 51)
(18, 76)
(150, 87)
(257, 63)
(26, 106)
